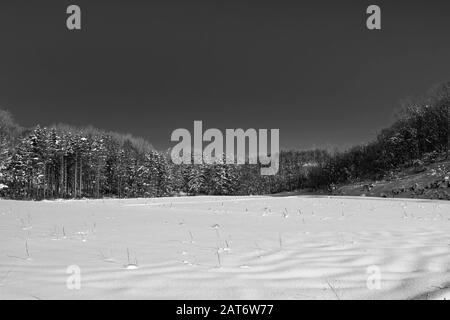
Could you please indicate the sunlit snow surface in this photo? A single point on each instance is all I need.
(295, 247)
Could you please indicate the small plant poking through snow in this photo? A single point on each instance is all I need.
(130, 265)
(227, 248)
(27, 251)
(216, 227)
(280, 240)
(192, 237)
(333, 290)
(218, 258)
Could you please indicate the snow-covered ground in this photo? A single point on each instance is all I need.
(295, 247)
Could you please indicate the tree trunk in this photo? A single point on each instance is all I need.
(81, 177)
(98, 181)
(75, 178)
(61, 178)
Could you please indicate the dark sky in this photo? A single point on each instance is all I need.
(309, 68)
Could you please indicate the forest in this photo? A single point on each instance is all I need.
(62, 161)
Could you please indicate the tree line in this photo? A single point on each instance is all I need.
(62, 161)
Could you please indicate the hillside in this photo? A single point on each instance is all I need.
(425, 181)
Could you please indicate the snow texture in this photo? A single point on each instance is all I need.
(293, 247)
